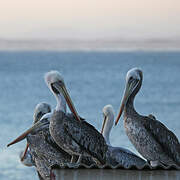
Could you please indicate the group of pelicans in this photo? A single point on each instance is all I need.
(65, 139)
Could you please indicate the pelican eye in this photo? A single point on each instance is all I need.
(60, 83)
(131, 79)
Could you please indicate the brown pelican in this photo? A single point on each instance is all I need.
(73, 135)
(43, 152)
(32, 157)
(152, 139)
(118, 155)
(41, 118)
(41, 142)
(39, 132)
(40, 110)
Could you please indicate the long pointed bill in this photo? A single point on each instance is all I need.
(23, 136)
(63, 89)
(124, 101)
(104, 122)
(25, 151)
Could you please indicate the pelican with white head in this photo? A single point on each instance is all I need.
(117, 155)
(72, 134)
(108, 114)
(152, 139)
(41, 116)
(56, 84)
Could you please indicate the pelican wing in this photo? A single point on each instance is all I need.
(124, 157)
(87, 137)
(44, 146)
(166, 138)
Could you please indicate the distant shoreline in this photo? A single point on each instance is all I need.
(91, 45)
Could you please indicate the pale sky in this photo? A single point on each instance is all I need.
(89, 19)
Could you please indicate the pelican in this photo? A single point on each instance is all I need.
(31, 156)
(152, 139)
(40, 110)
(73, 135)
(118, 155)
(41, 118)
(39, 138)
(41, 151)
(85, 127)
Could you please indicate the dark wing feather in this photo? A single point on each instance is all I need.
(152, 116)
(71, 115)
(43, 144)
(166, 138)
(87, 137)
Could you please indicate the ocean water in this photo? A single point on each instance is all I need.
(93, 80)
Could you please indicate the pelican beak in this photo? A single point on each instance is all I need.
(104, 122)
(25, 151)
(126, 95)
(62, 88)
(23, 136)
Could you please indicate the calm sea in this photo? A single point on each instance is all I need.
(93, 80)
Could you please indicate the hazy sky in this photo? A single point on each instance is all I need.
(89, 18)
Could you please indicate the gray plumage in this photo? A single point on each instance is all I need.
(45, 147)
(153, 140)
(73, 135)
(46, 152)
(123, 157)
(117, 155)
(77, 138)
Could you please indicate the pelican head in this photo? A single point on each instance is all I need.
(52, 78)
(108, 114)
(56, 84)
(40, 110)
(133, 83)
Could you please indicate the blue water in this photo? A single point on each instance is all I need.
(93, 79)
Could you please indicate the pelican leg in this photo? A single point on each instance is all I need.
(79, 159)
(73, 158)
(25, 151)
(52, 175)
(74, 163)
